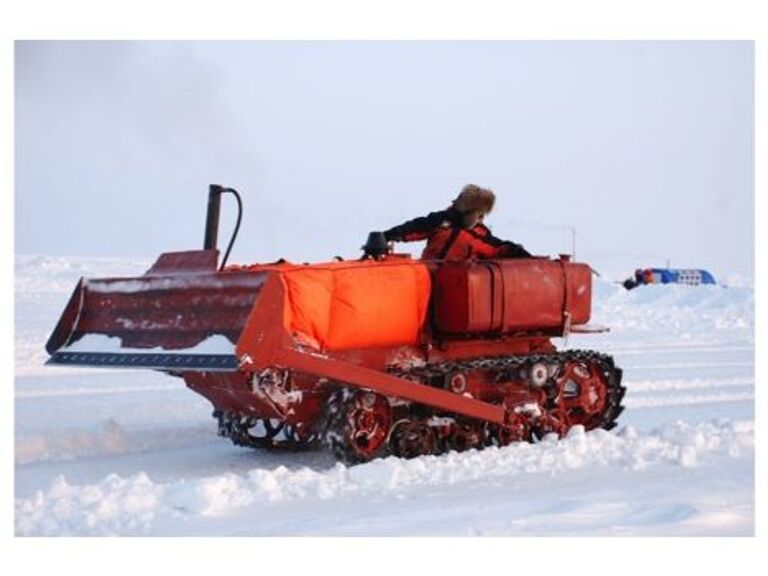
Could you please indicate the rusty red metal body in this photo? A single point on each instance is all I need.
(244, 338)
(502, 296)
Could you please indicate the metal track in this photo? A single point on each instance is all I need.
(263, 433)
(521, 364)
(242, 430)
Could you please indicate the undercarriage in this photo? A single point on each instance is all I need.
(541, 394)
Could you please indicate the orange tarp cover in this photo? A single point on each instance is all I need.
(344, 305)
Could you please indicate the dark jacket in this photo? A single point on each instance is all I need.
(448, 240)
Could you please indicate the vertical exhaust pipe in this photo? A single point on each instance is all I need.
(215, 191)
(212, 218)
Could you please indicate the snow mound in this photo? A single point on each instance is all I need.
(134, 504)
(686, 311)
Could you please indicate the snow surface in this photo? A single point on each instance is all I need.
(104, 452)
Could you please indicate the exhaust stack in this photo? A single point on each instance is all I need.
(212, 218)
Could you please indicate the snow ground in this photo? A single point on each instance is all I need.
(102, 452)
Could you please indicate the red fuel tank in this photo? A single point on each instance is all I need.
(511, 295)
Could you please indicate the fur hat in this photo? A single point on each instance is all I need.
(474, 198)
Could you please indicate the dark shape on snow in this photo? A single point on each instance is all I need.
(691, 277)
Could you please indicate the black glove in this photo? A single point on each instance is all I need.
(512, 250)
(376, 246)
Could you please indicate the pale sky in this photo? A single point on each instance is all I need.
(644, 148)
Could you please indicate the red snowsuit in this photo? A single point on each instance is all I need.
(448, 240)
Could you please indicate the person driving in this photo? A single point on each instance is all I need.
(458, 232)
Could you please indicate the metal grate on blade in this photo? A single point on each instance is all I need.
(165, 361)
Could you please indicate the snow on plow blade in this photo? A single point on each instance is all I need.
(180, 315)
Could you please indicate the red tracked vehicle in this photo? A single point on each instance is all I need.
(382, 355)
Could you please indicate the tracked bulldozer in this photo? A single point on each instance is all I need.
(383, 355)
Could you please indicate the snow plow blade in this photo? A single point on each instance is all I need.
(181, 315)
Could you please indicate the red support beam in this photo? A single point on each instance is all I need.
(389, 385)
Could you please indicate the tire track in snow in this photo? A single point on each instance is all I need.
(688, 400)
(677, 348)
(660, 393)
(96, 391)
(685, 365)
(680, 384)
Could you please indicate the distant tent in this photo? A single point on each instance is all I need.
(672, 276)
(691, 277)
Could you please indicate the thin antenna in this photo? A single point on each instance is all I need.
(573, 243)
